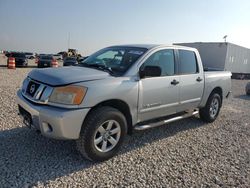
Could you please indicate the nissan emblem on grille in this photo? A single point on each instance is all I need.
(36, 92)
(32, 88)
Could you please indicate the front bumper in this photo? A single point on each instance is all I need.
(54, 122)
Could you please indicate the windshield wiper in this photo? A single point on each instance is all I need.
(98, 66)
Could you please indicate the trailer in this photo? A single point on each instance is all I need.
(224, 56)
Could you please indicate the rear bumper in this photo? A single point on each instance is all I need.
(21, 63)
(54, 122)
(43, 65)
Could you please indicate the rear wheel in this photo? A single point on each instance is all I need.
(102, 134)
(248, 89)
(210, 112)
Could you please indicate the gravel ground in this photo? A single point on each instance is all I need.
(182, 154)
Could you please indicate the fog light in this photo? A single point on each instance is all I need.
(50, 128)
(47, 127)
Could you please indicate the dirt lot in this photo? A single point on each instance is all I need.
(182, 154)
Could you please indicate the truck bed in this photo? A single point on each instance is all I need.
(214, 79)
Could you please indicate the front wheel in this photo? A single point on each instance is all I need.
(102, 134)
(210, 112)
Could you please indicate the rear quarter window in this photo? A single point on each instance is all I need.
(188, 62)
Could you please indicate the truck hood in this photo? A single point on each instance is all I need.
(66, 75)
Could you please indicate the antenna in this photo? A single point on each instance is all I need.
(69, 40)
(225, 38)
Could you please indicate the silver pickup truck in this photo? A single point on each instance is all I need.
(119, 89)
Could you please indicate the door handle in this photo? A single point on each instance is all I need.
(199, 79)
(175, 82)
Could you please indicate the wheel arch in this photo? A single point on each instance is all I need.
(219, 91)
(120, 105)
(204, 112)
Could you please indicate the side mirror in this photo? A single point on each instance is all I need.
(150, 71)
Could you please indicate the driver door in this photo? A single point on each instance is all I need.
(159, 96)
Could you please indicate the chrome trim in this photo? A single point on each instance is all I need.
(39, 92)
(148, 109)
(152, 105)
(42, 94)
(166, 121)
(46, 93)
(190, 101)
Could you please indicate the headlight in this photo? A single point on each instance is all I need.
(68, 95)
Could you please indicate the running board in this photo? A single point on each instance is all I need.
(162, 122)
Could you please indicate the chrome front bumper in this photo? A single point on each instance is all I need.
(54, 122)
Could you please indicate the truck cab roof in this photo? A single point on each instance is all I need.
(152, 46)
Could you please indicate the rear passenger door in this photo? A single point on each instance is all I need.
(159, 96)
(191, 80)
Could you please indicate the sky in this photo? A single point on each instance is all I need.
(51, 26)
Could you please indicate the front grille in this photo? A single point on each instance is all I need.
(36, 91)
(32, 88)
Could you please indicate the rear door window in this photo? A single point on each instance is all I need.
(187, 62)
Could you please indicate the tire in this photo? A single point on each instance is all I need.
(210, 112)
(248, 89)
(91, 130)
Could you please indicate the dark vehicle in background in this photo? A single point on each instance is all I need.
(81, 59)
(7, 54)
(30, 55)
(44, 61)
(63, 54)
(70, 61)
(20, 59)
(39, 55)
(58, 56)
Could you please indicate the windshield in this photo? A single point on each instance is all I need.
(116, 59)
(18, 55)
(46, 57)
